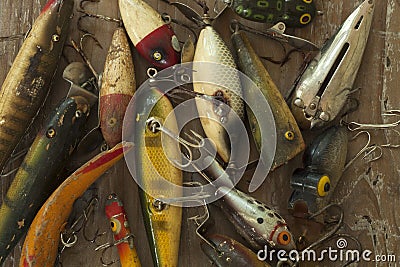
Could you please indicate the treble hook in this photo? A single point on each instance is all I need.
(128, 239)
(367, 148)
(356, 126)
(155, 126)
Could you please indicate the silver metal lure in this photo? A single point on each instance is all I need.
(323, 89)
(255, 221)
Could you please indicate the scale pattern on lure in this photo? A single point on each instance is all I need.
(294, 13)
(162, 221)
(115, 212)
(211, 48)
(28, 81)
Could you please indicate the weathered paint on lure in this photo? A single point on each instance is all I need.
(294, 13)
(28, 81)
(324, 87)
(37, 177)
(289, 139)
(153, 38)
(324, 162)
(41, 242)
(115, 212)
(162, 221)
(230, 253)
(213, 115)
(118, 85)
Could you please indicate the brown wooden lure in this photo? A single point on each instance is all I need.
(118, 85)
(229, 252)
(28, 81)
(289, 139)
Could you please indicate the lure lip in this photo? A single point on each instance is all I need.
(324, 86)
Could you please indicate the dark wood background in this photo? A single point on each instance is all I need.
(368, 192)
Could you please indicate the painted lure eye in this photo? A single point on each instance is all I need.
(305, 18)
(307, 1)
(157, 56)
(284, 238)
(115, 225)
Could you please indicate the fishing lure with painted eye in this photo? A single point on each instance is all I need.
(28, 82)
(41, 243)
(255, 221)
(153, 38)
(289, 139)
(229, 252)
(294, 13)
(117, 88)
(324, 162)
(322, 90)
(115, 212)
(37, 176)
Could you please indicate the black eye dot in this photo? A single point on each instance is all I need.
(112, 224)
(285, 237)
(260, 220)
(327, 186)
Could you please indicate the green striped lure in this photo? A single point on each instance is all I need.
(294, 13)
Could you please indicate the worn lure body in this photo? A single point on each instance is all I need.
(115, 212)
(229, 252)
(220, 80)
(153, 38)
(322, 90)
(162, 221)
(37, 176)
(294, 13)
(28, 81)
(41, 243)
(118, 85)
(255, 221)
(324, 161)
(289, 139)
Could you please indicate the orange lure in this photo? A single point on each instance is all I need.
(41, 242)
(115, 212)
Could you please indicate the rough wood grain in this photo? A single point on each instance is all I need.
(369, 192)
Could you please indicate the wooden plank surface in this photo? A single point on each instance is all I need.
(369, 192)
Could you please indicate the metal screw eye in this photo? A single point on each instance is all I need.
(78, 113)
(289, 135)
(159, 205)
(55, 38)
(157, 56)
(51, 133)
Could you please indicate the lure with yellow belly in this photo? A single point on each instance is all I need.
(162, 221)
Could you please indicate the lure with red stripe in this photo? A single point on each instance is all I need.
(115, 212)
(255, 221)
(118, 85)
(153, 38)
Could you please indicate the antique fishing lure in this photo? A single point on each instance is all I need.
(257, 223)
(115, 212)
(321, 92)
(37, 176)
(41, 243)
(152, 166)
(324, 162)
(229, 252)
(289, 139)
(117, 88)
(28, 81)
(294, 13)
(153, 38)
